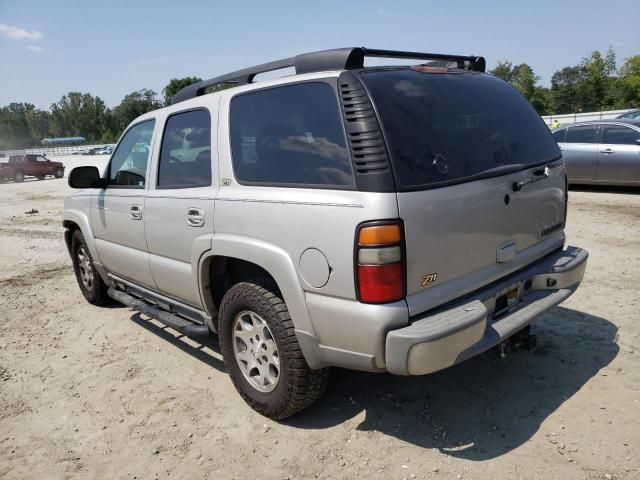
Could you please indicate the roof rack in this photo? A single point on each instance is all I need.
(337, 59)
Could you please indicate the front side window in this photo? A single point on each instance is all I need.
(185, 155)
(40, 158)
(620, 135)
(290, 136)
(582, 134)
(128, 167)
(447, 128)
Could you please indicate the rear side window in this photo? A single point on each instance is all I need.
(582, 134)
(560, 135)
(185, 155)
(619, 135)
(446, 128)
(290, 136)
(128, 167)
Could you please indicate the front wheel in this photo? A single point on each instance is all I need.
(262, 354)
(91, 284)
(59, 173)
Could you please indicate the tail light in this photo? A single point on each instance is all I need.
(379, 261)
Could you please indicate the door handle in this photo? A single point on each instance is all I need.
(135, 212)
(607, 151)
(195, 217)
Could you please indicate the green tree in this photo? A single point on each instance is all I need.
(598, 70)
(525, 81)
(175, 85)
(629, 76)
(132, 106)
(38, 122)
(567, 89)
(14, 127)
(78, 114)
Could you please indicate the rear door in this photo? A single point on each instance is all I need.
(619, 155)
(117, 212)
(580, 152)
(42, 166)
(458, 143)
(179, 207)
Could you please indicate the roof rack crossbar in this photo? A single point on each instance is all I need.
(325, 60)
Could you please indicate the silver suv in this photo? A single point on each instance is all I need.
(384, 219)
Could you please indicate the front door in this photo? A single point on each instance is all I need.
(619, 155)
(118, 211)
(179, 206)
(580, 152)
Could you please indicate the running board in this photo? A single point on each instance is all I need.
(169, 319)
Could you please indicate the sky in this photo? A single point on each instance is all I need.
(112, 48)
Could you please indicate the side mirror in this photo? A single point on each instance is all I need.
(638, 141)
(85, 177)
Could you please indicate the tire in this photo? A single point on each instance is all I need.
(247, 304)
(59, 173)
(91, 284)
(41, 177)
(18, 177)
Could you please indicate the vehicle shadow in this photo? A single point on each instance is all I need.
(604, 189)
(477, 410)
(29, 180)
(201, 347)
(482, 408)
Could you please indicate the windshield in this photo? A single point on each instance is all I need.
(444, 128)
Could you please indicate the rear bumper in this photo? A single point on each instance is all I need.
(467, 327)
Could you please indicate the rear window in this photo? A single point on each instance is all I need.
(448, 128)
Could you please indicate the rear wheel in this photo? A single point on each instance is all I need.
(18, 177)
(91, 284)
(59, 173)
(262, 354)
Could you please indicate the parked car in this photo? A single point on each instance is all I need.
(39, 166)
(604, 152)
(278, 216)
(632, 115)
(104, 151)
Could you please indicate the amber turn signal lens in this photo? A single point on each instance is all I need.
(379, 235)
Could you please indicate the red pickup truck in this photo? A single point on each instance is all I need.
(39, 166)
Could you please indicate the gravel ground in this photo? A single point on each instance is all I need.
(105, 392)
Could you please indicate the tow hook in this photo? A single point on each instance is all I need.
(521, 340)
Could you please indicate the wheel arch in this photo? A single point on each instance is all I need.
(73, 220)
(234, 259)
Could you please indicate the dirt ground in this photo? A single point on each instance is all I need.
(93, 392)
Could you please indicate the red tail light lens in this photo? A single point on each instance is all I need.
(379, 262)
(380, 283)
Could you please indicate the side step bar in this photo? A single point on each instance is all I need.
(169, 319)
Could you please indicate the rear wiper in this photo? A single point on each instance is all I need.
(497, 171)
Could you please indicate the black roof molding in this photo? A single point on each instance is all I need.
(324, 60)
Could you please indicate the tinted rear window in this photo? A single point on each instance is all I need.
(443, 128)
(290, 136)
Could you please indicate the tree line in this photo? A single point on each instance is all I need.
(80, 115)
(594, 84)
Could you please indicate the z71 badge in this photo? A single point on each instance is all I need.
(428, 279)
